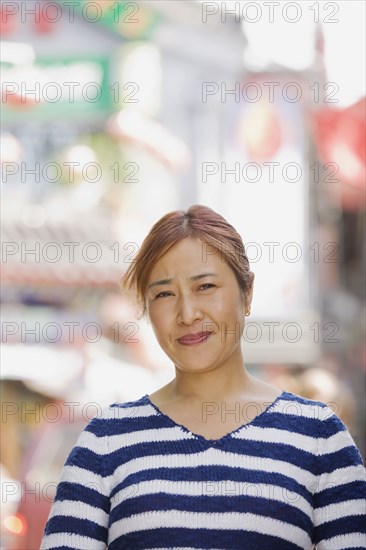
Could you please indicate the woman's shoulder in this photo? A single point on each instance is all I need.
(116, 411)
(316, 419)
(293, 403)
(290, 403)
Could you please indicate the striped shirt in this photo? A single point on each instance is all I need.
(291, 478)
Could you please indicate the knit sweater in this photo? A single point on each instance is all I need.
(291, 478)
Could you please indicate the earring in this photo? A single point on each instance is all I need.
(247, 312)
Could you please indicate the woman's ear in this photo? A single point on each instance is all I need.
(249, 292)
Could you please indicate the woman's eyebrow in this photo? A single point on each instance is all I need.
(169, 281)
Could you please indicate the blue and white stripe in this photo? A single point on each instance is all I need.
(292, 478)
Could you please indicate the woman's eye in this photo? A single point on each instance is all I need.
(166, 293)
(162, 294)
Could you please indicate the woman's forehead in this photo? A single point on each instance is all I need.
(190, 264)
(193, 251)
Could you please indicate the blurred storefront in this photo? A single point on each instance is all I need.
(94, 150)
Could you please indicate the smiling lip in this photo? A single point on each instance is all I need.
(191, 339)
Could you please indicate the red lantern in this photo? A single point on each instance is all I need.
(46, 17)
(8, 19)
(259, 131)
(16, 100)
(340, 139)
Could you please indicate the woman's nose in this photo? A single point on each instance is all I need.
(188, 311)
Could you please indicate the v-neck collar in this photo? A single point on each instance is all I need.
(200, 437)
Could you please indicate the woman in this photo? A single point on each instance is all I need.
(191, 465)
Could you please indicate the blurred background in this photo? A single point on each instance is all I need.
(115, 113)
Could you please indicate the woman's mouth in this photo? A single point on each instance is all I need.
(193, 339)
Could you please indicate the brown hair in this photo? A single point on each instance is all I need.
(198, 222)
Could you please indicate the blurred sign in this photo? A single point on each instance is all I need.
(129, 19)
(62, 88)
(261, 186)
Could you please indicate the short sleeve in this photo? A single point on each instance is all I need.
(340, 495)
(79, 514)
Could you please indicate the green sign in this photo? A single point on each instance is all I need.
(66, 88)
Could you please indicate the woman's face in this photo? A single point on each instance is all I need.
(192, 291)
